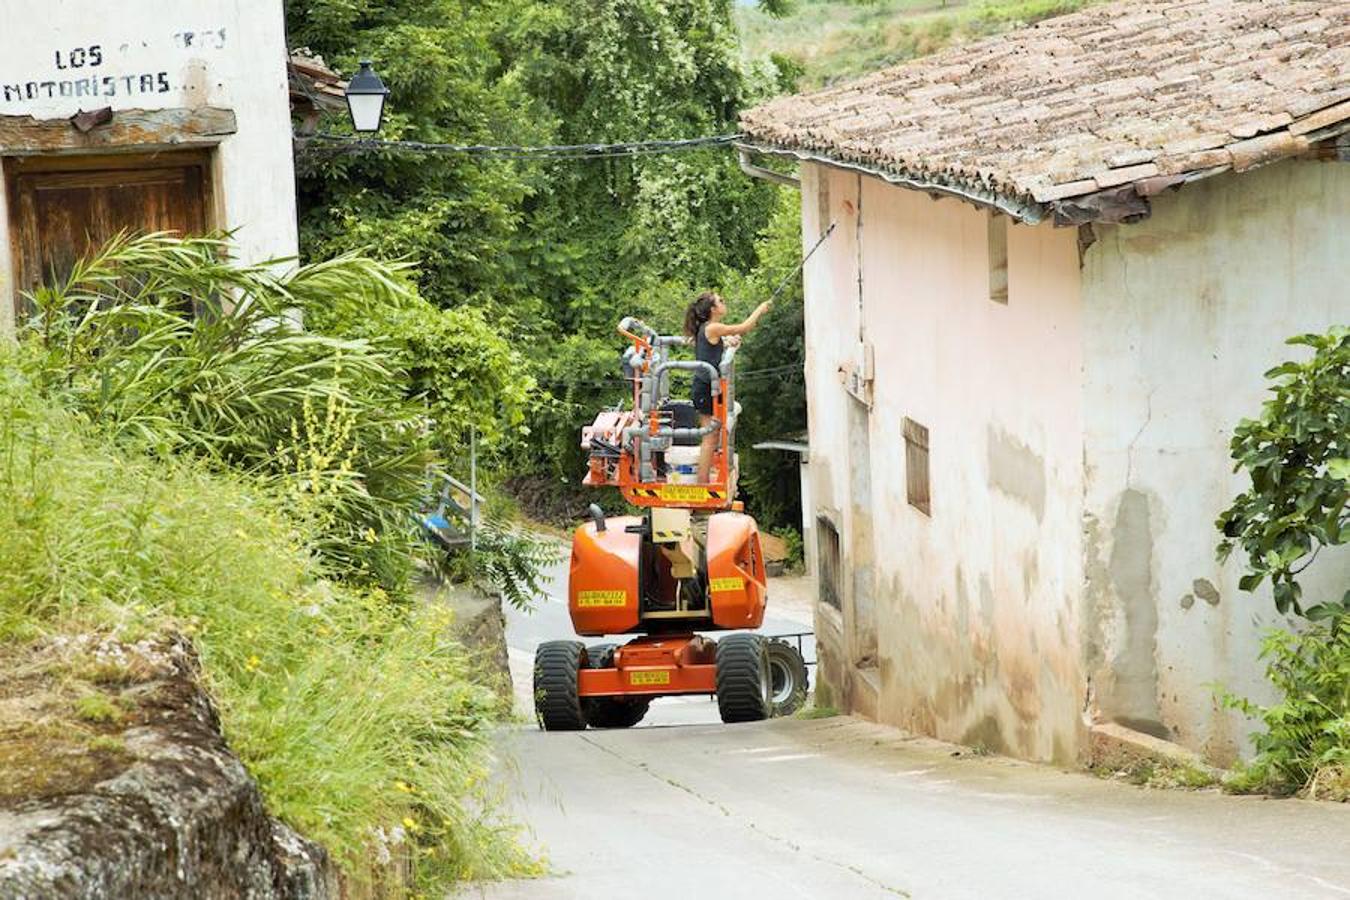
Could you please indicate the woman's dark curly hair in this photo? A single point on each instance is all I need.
(698, 312)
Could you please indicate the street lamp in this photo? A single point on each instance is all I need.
(366, 94)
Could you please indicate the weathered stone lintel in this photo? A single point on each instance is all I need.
(129, 129)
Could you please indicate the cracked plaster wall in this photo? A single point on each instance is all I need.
(1181, 315)
(975, 606)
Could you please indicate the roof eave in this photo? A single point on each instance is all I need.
(1025, 210)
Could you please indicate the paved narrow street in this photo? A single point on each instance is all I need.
(840, 808)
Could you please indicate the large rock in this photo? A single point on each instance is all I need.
(144, 801)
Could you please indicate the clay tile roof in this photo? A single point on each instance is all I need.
(1134, 95)
(313, 84)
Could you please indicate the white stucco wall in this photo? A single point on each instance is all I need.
(975, 606)
(1182, 314)
(156, 55)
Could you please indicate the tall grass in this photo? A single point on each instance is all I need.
(358, 716)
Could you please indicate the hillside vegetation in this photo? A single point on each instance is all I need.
(824, 41)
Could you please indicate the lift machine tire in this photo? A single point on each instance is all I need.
(557, 665)
(743, 678)
(787, 677)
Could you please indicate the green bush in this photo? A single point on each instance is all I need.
(359, 717)
(1297, 457)
(1306, 743)
(510, 559)
(452, 363)
(796, 550)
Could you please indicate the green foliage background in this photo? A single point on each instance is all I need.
(553, 253)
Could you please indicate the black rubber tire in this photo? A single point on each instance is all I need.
(610, 712)
(615, 712)
(742, 678)
(556, 704)
(600, 656)
(787, 678)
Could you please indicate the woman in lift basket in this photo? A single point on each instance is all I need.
(703, 324)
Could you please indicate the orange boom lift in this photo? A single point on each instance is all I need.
(690, 562)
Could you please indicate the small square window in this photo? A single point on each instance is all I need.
(916, 467)
(998, 258)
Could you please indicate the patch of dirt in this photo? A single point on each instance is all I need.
(50, 743)
(40, 762)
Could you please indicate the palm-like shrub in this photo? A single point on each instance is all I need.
(170, 345)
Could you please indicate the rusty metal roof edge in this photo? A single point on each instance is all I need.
(1027, 212)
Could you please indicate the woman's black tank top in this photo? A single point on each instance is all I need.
(706, 351)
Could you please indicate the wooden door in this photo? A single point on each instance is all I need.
(63, 208)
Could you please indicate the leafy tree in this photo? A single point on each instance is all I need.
(772, 390)
(634, 70)
(554, 251)
(456, 217)
(464, 374)
(1297, 454)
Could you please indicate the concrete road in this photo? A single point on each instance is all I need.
(840, 808)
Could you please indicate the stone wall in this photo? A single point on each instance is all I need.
(143, 800)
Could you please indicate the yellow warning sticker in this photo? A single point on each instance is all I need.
(649, 678)
(684, 493)
(721, 585)
(602, 598)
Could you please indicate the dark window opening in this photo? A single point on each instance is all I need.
(998, 258)
(828, 545)
(917, 489)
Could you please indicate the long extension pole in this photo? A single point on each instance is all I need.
(802, 265)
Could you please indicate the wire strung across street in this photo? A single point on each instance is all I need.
(342, 143)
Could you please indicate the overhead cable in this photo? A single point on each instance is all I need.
(343, 143)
